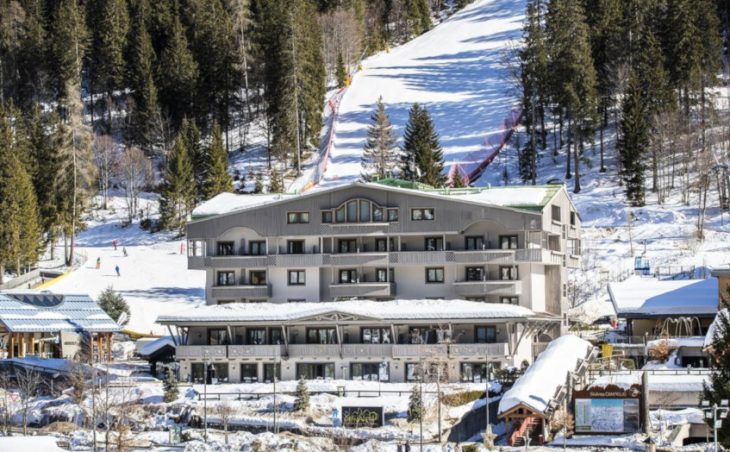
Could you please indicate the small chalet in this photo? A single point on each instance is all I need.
(54, 326)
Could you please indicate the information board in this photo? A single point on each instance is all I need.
(609, 415)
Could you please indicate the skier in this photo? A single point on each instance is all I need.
(124, 250)
(98, 263)
(116, 268)
(114, 244)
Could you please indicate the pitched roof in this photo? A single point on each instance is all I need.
(523, 197)
(639, 296)
(24, 312)
(365, 309)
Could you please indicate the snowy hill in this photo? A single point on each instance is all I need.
(455, 70)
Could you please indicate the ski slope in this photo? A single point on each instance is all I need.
(456, 70)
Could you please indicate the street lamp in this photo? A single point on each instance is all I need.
(206, 361)
(716, 414)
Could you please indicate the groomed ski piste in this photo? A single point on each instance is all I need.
(456, 70)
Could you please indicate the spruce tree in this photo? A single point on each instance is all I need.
(276, 184)
(191, 135)
(169, 386)
(415, 405)
(633, 142)
(258, 186)
(340, 71)
(718, 388)
(109, 48)
(177, 194)
(458, 179)
(380, 155)
(422, 159)
(217, 179)
(178, 74)
(140, 74)
(301, 396)
(68, 43)
(114, 304)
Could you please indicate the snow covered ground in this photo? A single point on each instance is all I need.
(154, 278)
(455, 70)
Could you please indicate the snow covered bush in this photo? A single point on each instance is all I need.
(301, 403)
(114, 304)
(415, 405)
(170, 387)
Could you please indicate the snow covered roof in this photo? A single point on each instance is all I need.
(46, 312)
(658, 382)
(638, 296)
(530, 197)
(676, 342)
(371, 310)
(152, 346)
(714, 327)
(549, 372)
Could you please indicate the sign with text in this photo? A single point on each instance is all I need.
(607, 411)
(360, 416)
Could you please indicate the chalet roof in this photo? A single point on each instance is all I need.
(25, 312)
(433, 310)
(640, 296)
(527, 197)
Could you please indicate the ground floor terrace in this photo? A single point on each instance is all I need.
(57, 344)
(396, 341)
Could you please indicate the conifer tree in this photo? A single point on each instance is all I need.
(458, 179)
(415, 405)
(422, 159)
(301, 396)
(718, 387)
(178, 75)
(169, 385)
(109, 48)
(114, 304)
(340, 71)
(276, 184)
(69, 41)
(191, 135)
(140, 74)
(258, 186)
(380, 155)
(217, 179)
(177, 194)
(633, 142)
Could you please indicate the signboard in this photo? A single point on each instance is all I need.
(607, 416)
(362, 416)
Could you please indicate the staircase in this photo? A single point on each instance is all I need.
(530, 428)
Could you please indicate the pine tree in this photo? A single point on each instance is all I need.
(217, 179)
(415, 405)
(633, 142)
(140, 74)
(67, 45)
(718, 388)
(178, 74)
(380, 155)
(258, 186)
(109, 48)
(301, 396)
(340, 71)
(114, 304)
(422, 159)
(276, 185)
(169, 386)
(458, 179)
(177, 194)
(191, 135)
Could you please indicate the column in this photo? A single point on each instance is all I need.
(11, 352)
(21, 346)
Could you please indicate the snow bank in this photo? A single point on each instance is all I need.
(538, 385)
(714, 328)
(229, 202)
(648, 296)
(37, 443)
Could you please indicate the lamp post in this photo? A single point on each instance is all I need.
(716, 414)
(488, 435)
(206, 360)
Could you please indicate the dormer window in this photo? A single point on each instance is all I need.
(422, 214)
(359, 211)
(297, 217)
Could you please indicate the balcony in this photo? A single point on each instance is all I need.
(418, 257)
(418, 350)
(479, 288)
(367, 350)
(478, 350)
(296, 260)
(481, 256)
(200, 351)
(314, 350)
(362, 289)
(255, 351)
(348, 259)
(241, 291)
(573, 261)
(236, 261)
(196, 263)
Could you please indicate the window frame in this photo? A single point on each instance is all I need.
(298, 217)
(383, 332)
(319, 337)
(260, 245)
(486, 329)
(250, 333)
(330, 214)
(290, 245)
(351, 246)
(230, 278)
(553, 210)
(509, 238)
(422, 213)
(438, 240)
(477, 239)
(509, 300)
(392, 215)
(481, 271)
(230, 244)
(350, 272)
(436, 281)
(250, 278)
(301, 279)
(512, 269)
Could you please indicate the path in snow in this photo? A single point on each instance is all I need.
(154, 277)
(455, 70)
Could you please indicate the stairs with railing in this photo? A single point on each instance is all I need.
(529, 428)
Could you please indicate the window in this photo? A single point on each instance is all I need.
(272, 371)
(347, 246)
(434, 243)
(249, 373)
(239, 335)
(425, 335)
(326, 216)
(297, 278)
(340, 215)
(475, 242)
(297, 217)
(226, 301)
(384, 275)
(369, 371)
(375, 336)
(475, 273)
(485, 334)
(508, 242)
(218, 372)
(321, 336)
(295, 246)
(556, 213)
(257, 277)
(226, 278)
(413, 372)
(275, 336)
(256, 336)
(572, 218)
(364, 212)
(509, 300)
(392, 214)
(574, 247)
(435, 275)
(352, 212)
(381, 245)
(508, 274)
(422, 214)
(296, 300)
(312, 371)
(257, 248)
(217, 336)
(224, 248)
(348, 276)
(377, 214)
(197, 371)
(476, 372)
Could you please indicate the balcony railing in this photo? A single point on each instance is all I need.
(367, 350)
(200, 351)
(314, 350)
(241, 291)
(296, 260)
(418, 350)
(344, 259)
(233, 261)
(418, 257)
(363, 289)
(478, 350)
(478, 288)
(481, 256)
(255, 351)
